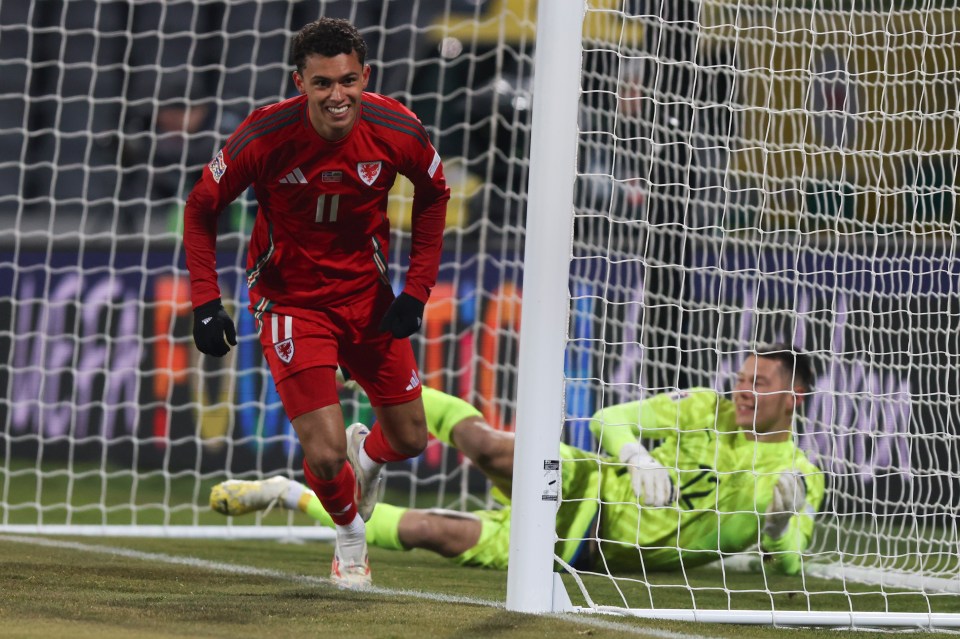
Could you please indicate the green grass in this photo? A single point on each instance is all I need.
(891, 542)
(108, 595)
(70, 590)
(84, 495)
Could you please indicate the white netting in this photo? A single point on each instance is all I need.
(109, 112)
(753, 172)
(749, 171)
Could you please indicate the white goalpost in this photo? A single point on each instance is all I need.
(679, 182)
(536, 469)
(749, 173)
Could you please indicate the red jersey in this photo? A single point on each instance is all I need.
(321, 235)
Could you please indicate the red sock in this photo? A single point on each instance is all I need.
(377, 447)
(336, 495)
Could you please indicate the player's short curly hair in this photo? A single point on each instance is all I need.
(327, 37)
(794, 361)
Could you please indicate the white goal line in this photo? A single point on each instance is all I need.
(736, 563)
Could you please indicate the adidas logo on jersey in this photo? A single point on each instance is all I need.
(293, 177)
(414, 381)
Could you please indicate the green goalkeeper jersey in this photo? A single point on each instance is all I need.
(725, 483)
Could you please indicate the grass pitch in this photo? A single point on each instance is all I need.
(146, 588)
(107, 588)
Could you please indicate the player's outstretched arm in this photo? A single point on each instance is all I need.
(616, 426)
(656, 418)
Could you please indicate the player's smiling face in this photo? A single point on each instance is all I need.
(764, 397)
(334, 88)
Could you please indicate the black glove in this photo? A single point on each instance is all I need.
(210, 324)
(404, 316)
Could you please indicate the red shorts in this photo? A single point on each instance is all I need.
(296, 339)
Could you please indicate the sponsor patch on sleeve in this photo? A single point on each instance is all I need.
(433, 165)
(217, 167)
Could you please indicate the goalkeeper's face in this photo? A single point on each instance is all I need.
(334, 88)
(764, 397)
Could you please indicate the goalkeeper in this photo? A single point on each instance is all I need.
(723, 476)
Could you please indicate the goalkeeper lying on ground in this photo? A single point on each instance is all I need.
(724, 476)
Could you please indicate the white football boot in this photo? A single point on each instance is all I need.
(368, 483)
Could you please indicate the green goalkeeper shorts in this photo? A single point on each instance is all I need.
(578, 509)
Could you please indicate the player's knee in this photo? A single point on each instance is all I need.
(325, 464)
(407, 436)
(412, 441)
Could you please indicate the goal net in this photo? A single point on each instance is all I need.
(755, 172)
(112, 421)
(746, 171)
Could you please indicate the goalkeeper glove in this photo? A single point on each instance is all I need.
(789, 496)
(404, 316)
(649, 479)
(210, 324)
